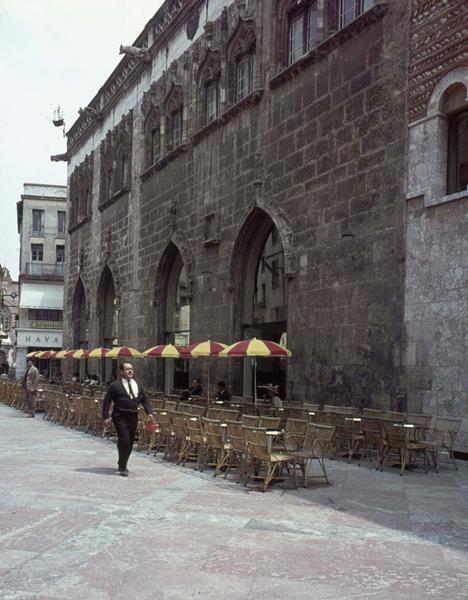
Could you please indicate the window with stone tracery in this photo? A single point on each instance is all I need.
(242, 62)
(348, 10)
(303, 34)
(81, 184)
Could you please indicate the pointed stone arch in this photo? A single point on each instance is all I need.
(80, 315)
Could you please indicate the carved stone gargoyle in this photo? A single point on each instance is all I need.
(142, 54)
(89, 111)
(59, 157)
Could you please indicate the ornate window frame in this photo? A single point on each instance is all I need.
(241, 53)
(209, 78)
(116, 162)
(81, 186)
(174, 117)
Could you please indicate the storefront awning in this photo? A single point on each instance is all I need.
(44, 295)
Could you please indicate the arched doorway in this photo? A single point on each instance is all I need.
(80, 326)
(174, 316)
(108, 311)
(262, 292)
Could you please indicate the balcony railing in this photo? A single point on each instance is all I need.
(45, 269)
(41, 232)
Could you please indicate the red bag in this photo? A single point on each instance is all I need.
(152, 426)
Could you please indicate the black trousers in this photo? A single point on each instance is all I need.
(126, 426)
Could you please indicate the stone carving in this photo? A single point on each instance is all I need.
(210, 68)
(243, 40)
(173, 214)
(142, 54)
(59, 157)
(93, 113)
(192, 23)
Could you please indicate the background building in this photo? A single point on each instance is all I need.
(41, 224)
(9, 300)
(245, 167)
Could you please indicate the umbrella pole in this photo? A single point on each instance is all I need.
(255, 381)
(208, 383)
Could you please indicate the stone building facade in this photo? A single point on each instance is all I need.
(228, 130)
(436, 290)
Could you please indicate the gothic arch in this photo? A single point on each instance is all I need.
(247, 231)
(242, 40)
(80, 315)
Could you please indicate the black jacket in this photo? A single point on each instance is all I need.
(122, 401)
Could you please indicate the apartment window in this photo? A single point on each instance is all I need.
(37, 252)
(60, 254)
(176, 128)
(212, 101)
(61, 222)
(37, 222)
(246, 68)
(457, 166)
(42, 314)
(350, 9)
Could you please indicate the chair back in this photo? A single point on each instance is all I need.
(269, 422)
(395, 416)
(371, 430)
(236, 436)
(196, 409)
(194, 429)
(257, 442)
(448, 424)
(311, 407)
(372, 412)
(323, 418)
(157, 403)
(170, 405)
(420, 419)
(318, 438)
(229, 414)
(266, 411)
(250, 420)
(213, 433)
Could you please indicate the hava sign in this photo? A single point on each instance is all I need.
(42, 339)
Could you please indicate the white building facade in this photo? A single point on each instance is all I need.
(41, 214)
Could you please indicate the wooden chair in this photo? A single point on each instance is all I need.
(442, 436)
(260, 452)
(395, 416)
(372, 412)
(196, 446)
(235, 434)
(317, 441)
(347, 435)
(294, 434)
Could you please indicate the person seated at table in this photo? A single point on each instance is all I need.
(94, 380)
(76, 376)
(223, 394)
(185, 396)
(273, 395)
(196, 389)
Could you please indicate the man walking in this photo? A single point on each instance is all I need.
(126, 394)
(30, 383)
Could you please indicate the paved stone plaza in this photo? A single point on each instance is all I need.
(70, 528)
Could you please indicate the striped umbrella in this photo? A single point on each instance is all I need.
(33, 354)
(61, 354)
(76, 354)
(46, 354)
(98, 353)
(124, 352)
(209, 349)
(166, 351)
(254, 348)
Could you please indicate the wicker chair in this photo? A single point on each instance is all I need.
(250, 420)
(269, 422)
(216, 442)
(399, 439)
(317, 441)
(196, 446)
(347, 435)
(372, 438)
(260, 452)
(442, 436)
(295, 430)
(237, 448)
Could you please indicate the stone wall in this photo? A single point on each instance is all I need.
(320, 148)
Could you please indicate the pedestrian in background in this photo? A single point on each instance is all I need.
(30, 383)
(126, 395)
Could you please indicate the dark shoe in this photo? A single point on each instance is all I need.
(122, 472)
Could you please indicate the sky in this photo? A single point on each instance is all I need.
(52, 52)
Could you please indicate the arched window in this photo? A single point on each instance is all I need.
(456, 109)
(152, 138)
(262, 296)
(174, 109)
(208, 77)
(108, 312)
(79, 324)
(242, 61)
(348, 10)
(302, 29)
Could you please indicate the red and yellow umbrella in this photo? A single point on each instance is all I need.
(255, 348)
(98, 353)
(33, 354)
(208, 348)
(166, 351)
(76, 354)
(124, 352)
(61, 354)
(46, 354)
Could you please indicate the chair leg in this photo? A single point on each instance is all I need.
(452, 456)
(403, 458)
(364, 452)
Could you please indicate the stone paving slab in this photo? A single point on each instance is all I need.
(71, 529)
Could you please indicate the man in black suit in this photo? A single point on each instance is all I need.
(126, 394)
(223, 394)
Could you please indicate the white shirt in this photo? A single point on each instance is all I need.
(129, 384)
